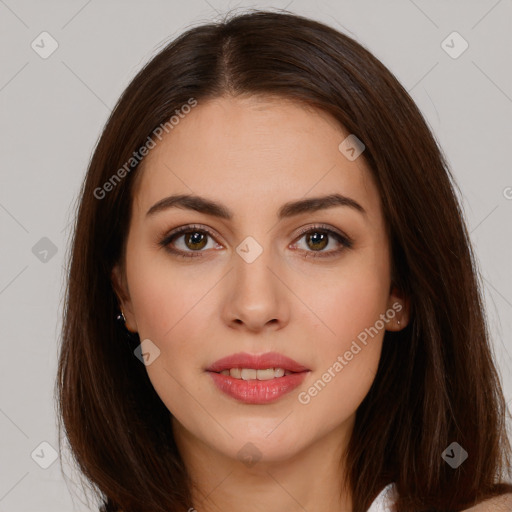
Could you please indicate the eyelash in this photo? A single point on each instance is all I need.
(344, 240)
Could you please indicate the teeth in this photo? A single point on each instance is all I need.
(249, 374)
(235, 372)
(279, 372)
(252, 374)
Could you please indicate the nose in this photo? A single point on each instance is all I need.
(256, 298)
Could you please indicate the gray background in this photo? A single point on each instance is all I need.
(52, 111)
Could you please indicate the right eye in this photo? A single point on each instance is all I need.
(194, 237)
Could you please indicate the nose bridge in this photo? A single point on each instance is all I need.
(252, 273)
(256, 296)
(252, 266)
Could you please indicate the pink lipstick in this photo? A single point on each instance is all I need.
(257, 379)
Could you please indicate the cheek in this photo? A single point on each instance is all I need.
(172, 310)
(174, 307)
(349, 352)
(350, 303)
(163, 293)
(347, 363)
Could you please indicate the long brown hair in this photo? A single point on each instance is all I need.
(436, 382)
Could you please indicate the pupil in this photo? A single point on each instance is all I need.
(196, 238)
(318, 238)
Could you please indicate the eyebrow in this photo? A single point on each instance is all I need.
(290, 209)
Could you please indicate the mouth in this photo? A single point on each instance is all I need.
(257, 379)
(256, 374)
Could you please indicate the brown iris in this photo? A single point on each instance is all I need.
(197, 239)
(318, 239)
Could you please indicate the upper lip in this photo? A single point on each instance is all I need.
(258, 362)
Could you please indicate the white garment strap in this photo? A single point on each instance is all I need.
(384, 501)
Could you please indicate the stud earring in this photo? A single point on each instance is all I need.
(121, 317)
(122, 320)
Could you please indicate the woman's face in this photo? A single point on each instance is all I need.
(265, 276)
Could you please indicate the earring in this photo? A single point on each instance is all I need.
(122, 320)
(120, 317)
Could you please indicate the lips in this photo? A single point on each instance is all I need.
(257, 392)
(257, 362)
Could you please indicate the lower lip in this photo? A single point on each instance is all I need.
(258, 391)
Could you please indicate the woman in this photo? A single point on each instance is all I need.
(299, 319)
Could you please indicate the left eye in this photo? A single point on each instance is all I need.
(317, 240)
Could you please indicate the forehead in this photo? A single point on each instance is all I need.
(254, 153)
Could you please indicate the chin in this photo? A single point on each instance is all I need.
(265, 444)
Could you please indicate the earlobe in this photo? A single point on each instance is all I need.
(120, 287)
(397, 311)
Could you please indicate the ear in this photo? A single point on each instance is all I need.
(398, 303)
(120, 286)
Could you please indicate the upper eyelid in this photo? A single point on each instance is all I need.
(187, 228)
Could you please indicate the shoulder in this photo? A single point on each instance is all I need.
(502, 503)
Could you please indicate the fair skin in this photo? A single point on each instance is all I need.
(501, 503)
(253, 155)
